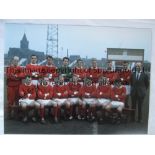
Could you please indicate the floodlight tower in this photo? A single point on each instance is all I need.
(52, 40)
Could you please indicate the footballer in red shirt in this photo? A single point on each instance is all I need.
(118, 95)
(125, 76)
(103, 97)
(88, 94)
(33, 70)
(80, 71)
(94, 72)
(45, 95)
(103, 92)
(49, 70)
(14, 75)
(27, 92)
(110, 73)
(74, 95)
(61, 94)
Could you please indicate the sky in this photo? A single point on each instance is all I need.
(85, 41)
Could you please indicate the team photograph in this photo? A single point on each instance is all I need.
(71, 79)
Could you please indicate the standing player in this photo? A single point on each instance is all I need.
(14, 75)
(88, 93)
(103, 95)
(27, 93)
(45, 94)
(94, 72)
(65, 70)
(49, 70)
(80, 71)
(110, 73)
(125, 76)
(33, 69)
(74, 96)
(61, 93)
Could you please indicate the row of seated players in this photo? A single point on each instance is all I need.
(68, 95)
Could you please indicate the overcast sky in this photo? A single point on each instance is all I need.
(88, 41)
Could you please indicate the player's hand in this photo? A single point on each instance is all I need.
(50, 76)
(91, 76)
(28, 95)
(116, 96)
(65, 92)
(22, 93)
(87, 94)
(75, 92)
(59, 94)
(101, 93)
(122, 79)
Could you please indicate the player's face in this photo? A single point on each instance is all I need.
(75, 79)
(28, 81)
(80, 64)
(88, 83)
(49, 61)
(118, 84)
(33, 59)
(65, 62)
(45, 82)
(94, 64)
(15, 62)
(125, 66)
(109, 65)
(61, 80)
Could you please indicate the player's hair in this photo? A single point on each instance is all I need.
(15, 58)
(79, 60)
(93, 59)
(117, 81)
(65, 58)
(49, 56)
(33, 55)
(27, 76)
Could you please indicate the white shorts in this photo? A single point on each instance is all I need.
(116, 104)
(128, 88)
(46, 102)
(103, 101)
(61, 101)
(28, 102)
(74, 100)
(90, 101)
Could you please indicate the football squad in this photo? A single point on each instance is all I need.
(40, 92)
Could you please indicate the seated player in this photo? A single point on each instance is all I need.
(61, 93)
(74, 95)
(88, 93)
(118, 95)
(27, 91)
(45, 94)
(103, 95)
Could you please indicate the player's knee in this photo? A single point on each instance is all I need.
(23, 105)
(108, 107)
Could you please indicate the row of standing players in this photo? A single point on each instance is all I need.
(110, 96)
